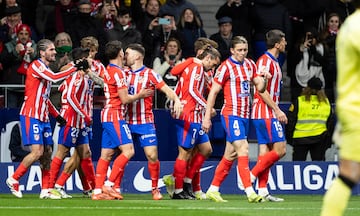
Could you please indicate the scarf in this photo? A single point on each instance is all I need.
(26, 57)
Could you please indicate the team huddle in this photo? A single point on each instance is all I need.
(127, 118)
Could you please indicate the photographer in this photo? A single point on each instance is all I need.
(311, 61)
(156, 35)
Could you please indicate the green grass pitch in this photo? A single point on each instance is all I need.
(141, 204)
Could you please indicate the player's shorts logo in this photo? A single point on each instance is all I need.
(281, 134)
(237, 132)
(36, 137)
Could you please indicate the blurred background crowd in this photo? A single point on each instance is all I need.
(168, 29)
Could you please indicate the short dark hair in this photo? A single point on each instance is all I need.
(123, 11)
(272, 37)
(112, 49)
(137, 47)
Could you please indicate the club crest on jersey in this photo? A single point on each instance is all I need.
(36, 137)
(237, 132)
(73, 140)
(280, 134)
(197, 77)
(41, 68)
(192, 141)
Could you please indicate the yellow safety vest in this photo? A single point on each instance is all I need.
(312, 117)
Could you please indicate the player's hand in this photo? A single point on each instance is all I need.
(82, 64)
(280, 115)
(264, 72)
(178, 108)
(143, 93)
(88, 120)
(60, 120)
(213, 112)
(206, 125)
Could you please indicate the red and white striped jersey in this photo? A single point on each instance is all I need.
(190, 89)
(99, 69)
(39, 78)
(260, 110)
(235, 78)
(140, 111)
(114, 80)
(74, 100)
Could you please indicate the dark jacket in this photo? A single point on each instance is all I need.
(154, 41)
(241, 18)
(128, 36)
(223, 48)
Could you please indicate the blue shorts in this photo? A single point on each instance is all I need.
(35, 131)
(89, 132)
(268, 130)
(144, 134)
(236, 128)
(115, 134)
(189, 134)
(72, 137)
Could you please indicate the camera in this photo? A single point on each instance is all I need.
(164, 21)
(310, 36)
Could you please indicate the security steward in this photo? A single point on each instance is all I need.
(310, 123)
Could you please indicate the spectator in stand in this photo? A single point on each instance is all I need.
(85, 25)
(61, 19)
(223, 37)
(143, 16)
(16, 147)
(310, 123)
(340, 7)
(311, 61)
(123, 30)
(16, 58)
(190, 29)
(107, 14)
(267, 15)
(63, 47)
(43, 9)
(10, 23)
(328, 36)
(240, 13)
(175, 7)
(156, 36)
(163, 65)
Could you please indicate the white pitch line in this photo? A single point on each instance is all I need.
(163, 208)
